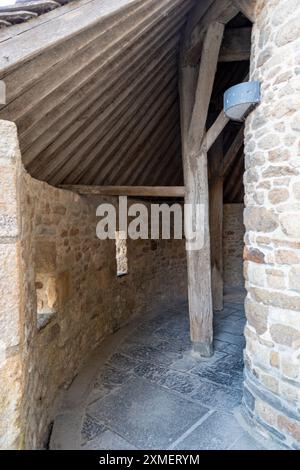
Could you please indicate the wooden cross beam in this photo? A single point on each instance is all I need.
(133, 191)
(233, 150)
(247, 7)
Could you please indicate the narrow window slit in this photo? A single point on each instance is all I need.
(121, 253)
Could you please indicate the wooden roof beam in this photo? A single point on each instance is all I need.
(221, 12)
(130, 191)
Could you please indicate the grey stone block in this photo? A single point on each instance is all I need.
(246, 442)
(218, 432)
(218, 397)
(147, 415)
(91, 428)
(108, 441)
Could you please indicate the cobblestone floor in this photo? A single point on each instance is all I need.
(153, 394)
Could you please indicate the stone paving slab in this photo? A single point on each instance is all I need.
(108, 441)
(217, 432)
(147, 415)
(153, 393)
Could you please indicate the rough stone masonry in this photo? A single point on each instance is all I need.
(272, 219)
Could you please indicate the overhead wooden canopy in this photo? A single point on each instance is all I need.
(93, 86)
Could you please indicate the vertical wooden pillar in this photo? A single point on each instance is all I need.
(198, 261)
(194, 108)
(216, 221)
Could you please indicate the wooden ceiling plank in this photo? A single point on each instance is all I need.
(52, 89)
(149, 165)
(110, 142)
(109, 147)
(68, 119)
(134, 141)
(32, 41)
(164, 171)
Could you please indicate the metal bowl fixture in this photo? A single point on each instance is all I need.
(241, 99)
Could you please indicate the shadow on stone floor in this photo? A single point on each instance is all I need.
(153, 394)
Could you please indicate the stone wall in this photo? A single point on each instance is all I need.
(233, 245)
(11, 315)
(272, 217)
(71, 295)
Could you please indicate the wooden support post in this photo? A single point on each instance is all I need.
(196, 186)
(216, 221)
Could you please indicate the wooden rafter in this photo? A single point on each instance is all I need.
(133, 191)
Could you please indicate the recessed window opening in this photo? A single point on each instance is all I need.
(47, 297)
(121, 253)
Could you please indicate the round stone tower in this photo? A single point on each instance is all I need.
(272, 218)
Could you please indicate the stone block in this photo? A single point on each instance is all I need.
(8, 202)
(269, 142)
(270, 382)
(9, 295)
(286, 257)
(276, 196)
(290, 368)
(256, 274)
(45, 257)
(276, 299)
(294, 278)
(274, 359)
(290, 224)
(285, 335)
(10, 403)
(266, 413)
(288, 33)
(260, 219)
(9, 144)
(257, 316)
(279, 171)
(64, 286)
(296, 190)
(254, 255)
(290, 427)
